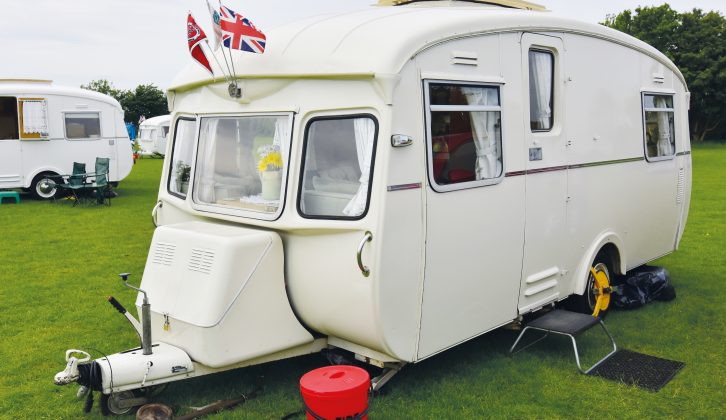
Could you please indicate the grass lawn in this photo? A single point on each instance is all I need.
(59, 263)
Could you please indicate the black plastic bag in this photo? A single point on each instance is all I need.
(642, 285)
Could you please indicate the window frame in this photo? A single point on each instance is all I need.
(466, 108)
(645, 130)
(303, 161)
(231, 211)
(552, 53)
(65, 126)
(171, 160)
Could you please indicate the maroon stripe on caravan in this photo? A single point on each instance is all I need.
(550, 169)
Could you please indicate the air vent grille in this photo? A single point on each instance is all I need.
(681, 186)
(201, 261)
(163, 254)
(466, 58)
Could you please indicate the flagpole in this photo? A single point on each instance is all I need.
(211, 51)
(233, 75)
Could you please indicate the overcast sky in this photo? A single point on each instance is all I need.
(132, 42)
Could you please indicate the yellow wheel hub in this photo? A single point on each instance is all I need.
(602, 290)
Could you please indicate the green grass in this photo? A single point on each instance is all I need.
(58, 264)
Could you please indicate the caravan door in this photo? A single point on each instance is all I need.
(544, 273)
(474, 217)
(10, 157)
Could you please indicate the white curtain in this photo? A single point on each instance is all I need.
(205, 191)
(664, 145)
(488, 164)
(540, 91)
(282, 135)
(35, 118)
(365, 131)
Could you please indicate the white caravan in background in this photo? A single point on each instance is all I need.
(464, 171)
(153, 135)
(45, 128)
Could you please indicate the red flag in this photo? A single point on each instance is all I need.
(195, 36)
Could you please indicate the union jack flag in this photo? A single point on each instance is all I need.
(239, 33)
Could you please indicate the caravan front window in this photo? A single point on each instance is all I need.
(242, 162)
(465, 135)
(659, 115)
(181, 157)
(337, 168)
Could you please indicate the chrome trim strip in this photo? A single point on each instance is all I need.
(402, 187)
(687, 152)
(577, 166)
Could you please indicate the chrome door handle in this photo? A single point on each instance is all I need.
(365, 270)
(158, 205)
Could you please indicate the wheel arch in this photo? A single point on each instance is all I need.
(28, 183)
(612, 247)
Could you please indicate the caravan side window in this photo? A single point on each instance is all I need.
(465, 135)
(83, 125)
(33, 118)
(9, 118)
(658, 122)
(181, 157)
(338, 167)
(541, 92)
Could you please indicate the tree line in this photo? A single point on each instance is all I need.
(696, 42)
(146, 100)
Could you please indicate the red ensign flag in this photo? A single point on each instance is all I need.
(195, 36)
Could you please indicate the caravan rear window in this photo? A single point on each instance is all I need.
(658, 120)
(338, 167)
(465, 136)
(83, 125)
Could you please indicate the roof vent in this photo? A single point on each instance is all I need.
(467, 58)
(514, 4)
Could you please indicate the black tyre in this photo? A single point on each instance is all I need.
(586, 302)
(44, 186)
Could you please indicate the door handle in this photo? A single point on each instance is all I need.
(154, 212)
(365, 270)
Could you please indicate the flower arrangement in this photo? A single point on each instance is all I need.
(270, 158)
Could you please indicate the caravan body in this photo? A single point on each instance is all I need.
(45, 128)
(397, 192)
(153, 134)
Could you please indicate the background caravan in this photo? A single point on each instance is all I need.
(45, 128)
(153, 134)
(460, 174)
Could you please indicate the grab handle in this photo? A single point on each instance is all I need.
(365, 270)
(158, 205)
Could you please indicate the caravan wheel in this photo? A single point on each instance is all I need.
(598, 287)
(111, 404)
(44, 186)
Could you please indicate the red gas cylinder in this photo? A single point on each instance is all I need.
(336, 392)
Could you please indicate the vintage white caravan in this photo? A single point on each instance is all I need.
(153, 134)
(422, 175)
(45, 128)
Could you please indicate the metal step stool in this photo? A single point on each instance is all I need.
(570, 324)
(9, 194)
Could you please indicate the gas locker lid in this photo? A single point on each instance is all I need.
(196, 270)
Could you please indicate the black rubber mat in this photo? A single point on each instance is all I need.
(648, 372)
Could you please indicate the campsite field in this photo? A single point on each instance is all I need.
(58, 264)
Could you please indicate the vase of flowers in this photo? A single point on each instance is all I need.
(270, 168)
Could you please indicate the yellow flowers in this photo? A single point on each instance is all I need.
(270, 159)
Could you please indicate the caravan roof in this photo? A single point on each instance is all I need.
(330, 46)
(46, 87)
(160, 120)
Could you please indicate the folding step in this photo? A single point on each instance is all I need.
(570, 324)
